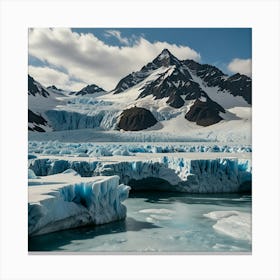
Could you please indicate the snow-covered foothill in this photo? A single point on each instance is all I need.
(236, 224)
(66, 200)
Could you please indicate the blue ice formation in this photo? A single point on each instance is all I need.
(46, 166)
(220, 175)
(68, 120)
(31, 174)
(74, 205)
(92, 149)
(186, 175)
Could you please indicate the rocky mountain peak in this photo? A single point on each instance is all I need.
(166, 58)
(35, 88)
(90, 89)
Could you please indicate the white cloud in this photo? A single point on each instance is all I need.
(86, 58)
(117, 34)
(48, 76)
(242, 66)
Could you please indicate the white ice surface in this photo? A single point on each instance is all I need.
(157, 211)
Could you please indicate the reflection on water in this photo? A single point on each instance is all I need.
(156, 222)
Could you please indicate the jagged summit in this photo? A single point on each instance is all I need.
(90, 89)
(166, 58)
(53, 87)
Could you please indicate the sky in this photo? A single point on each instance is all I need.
(71, 58)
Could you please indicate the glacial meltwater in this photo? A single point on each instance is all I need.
(163, 222)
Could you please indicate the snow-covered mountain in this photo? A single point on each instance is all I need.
(88, 90)
(167, 95)
(39, 99)
(57, 91)
(36, 89)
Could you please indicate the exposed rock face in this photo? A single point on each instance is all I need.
(175, 101)
(164, 59)
(237, 85)
(134, 119)
(205, 113)
(177, 79)
(54, 88)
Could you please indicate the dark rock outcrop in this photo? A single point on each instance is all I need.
(54, 88)
(175, 101)
(36, 120)
(205, 113)
(134, 119)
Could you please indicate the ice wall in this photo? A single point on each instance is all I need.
(78, 204)
(185, 175)
(69, 120)
(45, 166)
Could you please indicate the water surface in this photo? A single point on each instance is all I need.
(156, 222)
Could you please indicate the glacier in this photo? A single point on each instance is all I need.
(110, 149)
(171, 172)
(55, 205)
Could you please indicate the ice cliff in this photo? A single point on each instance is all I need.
(177, 173)
(54, 205)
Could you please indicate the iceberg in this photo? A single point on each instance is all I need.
(236, 224)
(55, 205)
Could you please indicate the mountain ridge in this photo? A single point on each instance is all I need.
(166, 87)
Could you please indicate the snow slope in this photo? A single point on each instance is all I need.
(67, 200)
